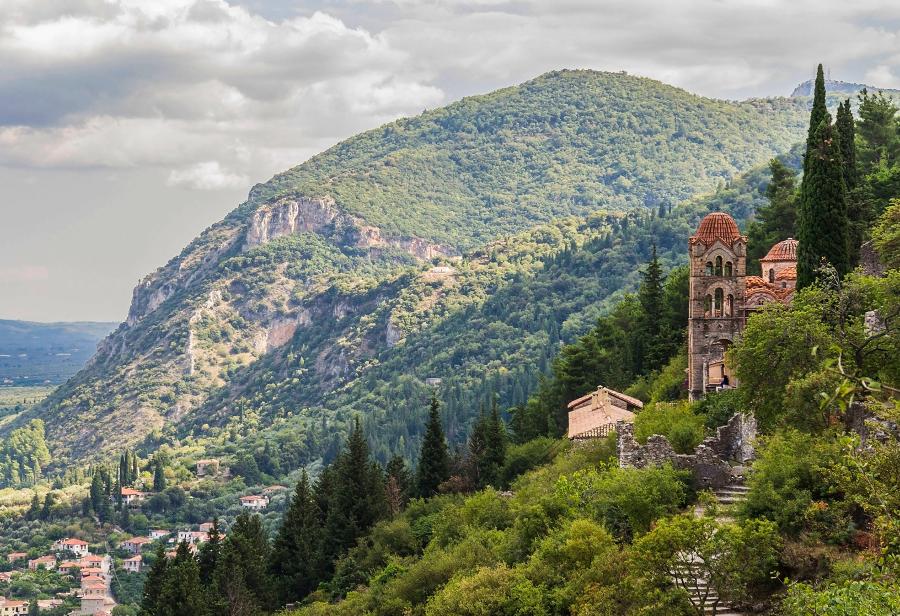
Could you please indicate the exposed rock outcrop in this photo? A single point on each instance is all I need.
(289, 216)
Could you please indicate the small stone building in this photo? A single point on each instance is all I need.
(595, 415)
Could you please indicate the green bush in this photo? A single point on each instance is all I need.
(676, 421)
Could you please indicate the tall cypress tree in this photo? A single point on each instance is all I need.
(159, 476)
(817, 114)
(296, 553)
(823, 225)
(434, 459)
(856, 209)
(208, 557)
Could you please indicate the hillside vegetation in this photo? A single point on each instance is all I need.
(325, 267)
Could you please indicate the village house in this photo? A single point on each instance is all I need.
(6, 576)
(255, 502)
(68, 566)
(135, 544)
(159, 533)
(595, 415)
(192, 536)
(9, 607)
(93, 597)
(133, 564)
(14, 556)
(205, 527)
(94, 561)
(47, 562)
(132, 497)
(70, 544)
(49, 604)
(207, 467)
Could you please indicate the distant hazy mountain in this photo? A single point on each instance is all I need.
(840, 87)
(35, 353)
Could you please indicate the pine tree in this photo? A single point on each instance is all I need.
(818, 113)
(777, 220)
(434, 459)
(232, 596)
(209, 553)
(181, 594)
(153, 584)
(357, 496)
(652, 343)
(248, 541)
(399, 484)
(297, 552)
(822, 226)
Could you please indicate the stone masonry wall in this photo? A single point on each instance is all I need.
(711, 461)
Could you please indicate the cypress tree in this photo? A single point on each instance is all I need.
(818, 113)
(159, 477)
(48, 505)
(296, 553)
(153, 584)
(33, 609)
(822, 226)
(856, 210)
(34, 511)
(434, 459)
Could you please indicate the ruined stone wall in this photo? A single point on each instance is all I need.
(711, 462)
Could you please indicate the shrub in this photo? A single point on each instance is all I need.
(677, 422)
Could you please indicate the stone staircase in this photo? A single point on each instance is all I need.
(697, 585)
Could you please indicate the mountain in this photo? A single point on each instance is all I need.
(326, 292)
(840, 87)
(36, 353)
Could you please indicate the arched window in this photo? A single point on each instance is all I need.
(718, 266)
(728, 268)
(730, 305)
(707, 304)
(718, 305)
(772, 274)
(709, 268)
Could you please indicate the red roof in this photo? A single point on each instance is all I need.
(138, 540)
(72, 541)
(717, 226)
(131, 492)
(785, 250)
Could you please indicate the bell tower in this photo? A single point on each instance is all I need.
(718, 262)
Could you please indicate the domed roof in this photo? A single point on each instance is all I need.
(717, 226)
(785, 250)
(788, 273)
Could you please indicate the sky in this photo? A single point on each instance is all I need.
(129, 126)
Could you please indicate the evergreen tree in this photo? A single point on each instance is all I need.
(878, 130)
(181, 594)
(47, 509)
(653, 343)
(159, 476)
(856, 203)
(434, 459)
(399, 484)
(357, 496)
(210, 550)
(248, 543)
(777, 220)
(233, 595)
(297, 552)
(818, 113)
(822, 225)
(34, 511)
(33, 609)
(153, 584)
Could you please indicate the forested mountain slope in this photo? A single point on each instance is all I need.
(306, 299)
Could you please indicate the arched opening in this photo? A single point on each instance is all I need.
(772, 274)
(718, 302)
(728, 269)
(729, 306)
(718, 266)
(709, 268)
(707, 305)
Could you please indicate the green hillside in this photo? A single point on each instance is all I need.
(308, 300)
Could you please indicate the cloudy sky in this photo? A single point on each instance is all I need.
(127, 126)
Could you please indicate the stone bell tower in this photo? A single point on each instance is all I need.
(718, 261)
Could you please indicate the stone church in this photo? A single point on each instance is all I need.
(722, 296)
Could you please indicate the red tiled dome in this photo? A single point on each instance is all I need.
(717, 226)
(783, 251)
(788, 273)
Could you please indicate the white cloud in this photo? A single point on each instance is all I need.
(883, 76)
(208, 175)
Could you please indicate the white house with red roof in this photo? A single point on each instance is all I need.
(130, 496)
(47, 562)
(10, 607)
(136, 544)
(70, 544)
(255, 502)
(133, 564)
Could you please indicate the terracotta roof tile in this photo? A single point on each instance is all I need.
(717, 226)
(785, 250)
